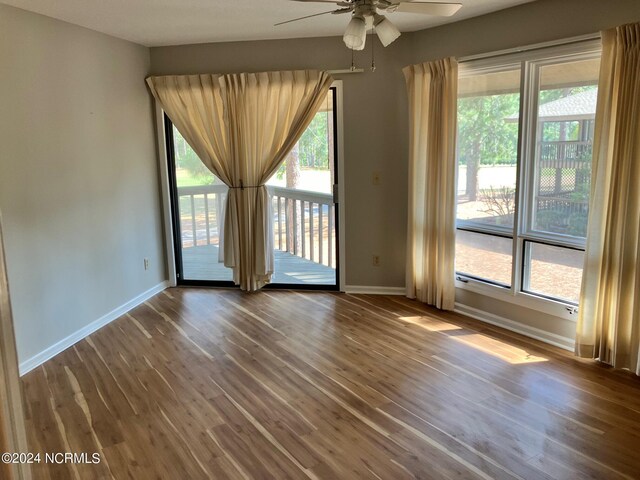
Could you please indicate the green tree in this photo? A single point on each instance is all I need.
(485, 137)
(488, 130)
(313, 144)
(312, 149)
(187, 159)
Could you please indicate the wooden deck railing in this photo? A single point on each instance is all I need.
(574, 155)
(304, 222)
(201, 214)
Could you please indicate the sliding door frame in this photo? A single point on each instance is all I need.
(173, 252)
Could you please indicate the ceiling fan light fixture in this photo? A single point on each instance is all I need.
(356, 33)
(387, 31)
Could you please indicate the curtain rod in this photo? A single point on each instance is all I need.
(345, 70)
(535, 46)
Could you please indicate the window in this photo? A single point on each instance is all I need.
(525, 135)
(488, 114)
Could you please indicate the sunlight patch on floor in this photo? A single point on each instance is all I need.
(504, 351)
(431, 324)
(484, 343)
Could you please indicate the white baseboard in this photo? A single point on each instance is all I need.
(75, 337)
(565, 343)
(365, 289)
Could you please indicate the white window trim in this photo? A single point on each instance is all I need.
(544, 305)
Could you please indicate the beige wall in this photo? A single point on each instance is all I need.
(78, 177)
(375, 116)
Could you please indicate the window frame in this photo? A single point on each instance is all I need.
(532, 86)
(526, 258)
(530, 62)
(477, 227)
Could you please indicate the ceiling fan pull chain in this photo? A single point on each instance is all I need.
(373, 57)
(353, 63)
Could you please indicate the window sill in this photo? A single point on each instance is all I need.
(556, 308)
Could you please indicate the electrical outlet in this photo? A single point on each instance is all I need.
(146, 264)
(376, 260)
(375, 178)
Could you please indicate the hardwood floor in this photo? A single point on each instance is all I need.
(200, 383)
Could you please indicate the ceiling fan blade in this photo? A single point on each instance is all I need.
(440, 9)
(308, 16)
(339, 2)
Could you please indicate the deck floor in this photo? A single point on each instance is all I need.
(201, 263)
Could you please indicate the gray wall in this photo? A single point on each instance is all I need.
(375, 116)
(537, 22)
(530, 23)
(78, 178)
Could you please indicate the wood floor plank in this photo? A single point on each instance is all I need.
(203, 383)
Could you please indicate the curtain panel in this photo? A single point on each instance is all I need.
(608, 326)
(432, 88)
(242, 126)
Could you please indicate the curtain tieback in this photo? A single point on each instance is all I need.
(243, 186)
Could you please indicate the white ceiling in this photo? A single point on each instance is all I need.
(178, 22)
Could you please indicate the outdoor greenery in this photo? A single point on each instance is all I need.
(551, 131)
(488, 134)
(191, 169)
(313, 147)
(312, 154)
(484, 137)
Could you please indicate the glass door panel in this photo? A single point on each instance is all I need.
(305, 226)
(304, 214)
(199, 197)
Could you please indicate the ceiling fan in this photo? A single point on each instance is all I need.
(364, 15)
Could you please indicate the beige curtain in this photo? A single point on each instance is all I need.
(432, 89)
(609, 318)
(242, 126)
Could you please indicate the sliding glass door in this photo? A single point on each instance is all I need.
(305, 215)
